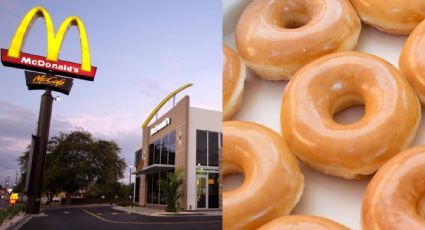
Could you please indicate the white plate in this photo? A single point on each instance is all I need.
(326, 196)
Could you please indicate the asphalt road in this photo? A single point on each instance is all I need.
(104, 217)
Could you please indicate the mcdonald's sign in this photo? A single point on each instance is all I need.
(42, 81)
(13, 57)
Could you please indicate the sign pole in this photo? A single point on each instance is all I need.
(39, 157)
(14, 57)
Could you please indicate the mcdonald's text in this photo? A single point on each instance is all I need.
(40, 63)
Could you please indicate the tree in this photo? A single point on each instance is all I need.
(68, 166)
(76, 161)
(107, 167)
(170, 189)
(23, 162)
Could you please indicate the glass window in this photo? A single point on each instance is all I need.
(201, 147)
(154, 195)
(155, 190)
(172, 148)
(151, 153)
(149, 189)
(163, 176)
(164, 151)
(201, 200)
(212, 149)
(157, 152)
(137, 189)
(213, 190)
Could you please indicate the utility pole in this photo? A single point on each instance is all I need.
(38, 154)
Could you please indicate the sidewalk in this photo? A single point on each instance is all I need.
(161, 212)
(14, 222)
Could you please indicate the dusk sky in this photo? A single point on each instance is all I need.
(143, 50)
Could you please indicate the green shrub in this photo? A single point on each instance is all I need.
(124, 203)
(11, 211)
(170, 190)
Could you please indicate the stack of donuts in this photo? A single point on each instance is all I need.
(311, 45)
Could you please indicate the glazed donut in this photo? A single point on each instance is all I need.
(412, 60)
(276, 37)
(336, 82)
(391, 16)
(395, 197)
(233, 82)
(302, 223)
(273, 183)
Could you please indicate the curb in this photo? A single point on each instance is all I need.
(188, 214)
(164, 213)
(21, 221)
(132, 211)
(183, 214)
(16, 223)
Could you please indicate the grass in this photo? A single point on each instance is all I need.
(10, 212)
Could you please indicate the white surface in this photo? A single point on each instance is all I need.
(326, 196)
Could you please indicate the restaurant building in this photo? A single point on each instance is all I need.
(187, 138)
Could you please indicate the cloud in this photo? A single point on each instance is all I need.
(17, 124)
(124, 128)
(152, 90)
(13, 144)
(15, 121)
(7, 108)
(11, 148)
(107, 125)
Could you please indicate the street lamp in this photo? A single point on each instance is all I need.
(129, 179)
(129, 182)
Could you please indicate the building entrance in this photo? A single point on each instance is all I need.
(207, 190)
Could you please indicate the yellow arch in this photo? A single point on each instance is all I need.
(26, 24)
(54, 43)
(85, 53)
(159, 106)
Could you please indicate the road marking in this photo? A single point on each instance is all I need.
(112, 213)
(133, 222)
(74, 206)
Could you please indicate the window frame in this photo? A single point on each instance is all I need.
(219, 136)
(153, 145)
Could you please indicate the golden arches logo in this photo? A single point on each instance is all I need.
(14, 57)
(159, 106)
(54, 42)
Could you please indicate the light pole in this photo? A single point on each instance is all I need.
(129, 183)
(129, 179)
(16, 178)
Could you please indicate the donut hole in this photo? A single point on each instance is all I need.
(233, 177)
(421, 207)
(232, 181)
(291, 15)
(295, 20)
(348, 109)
